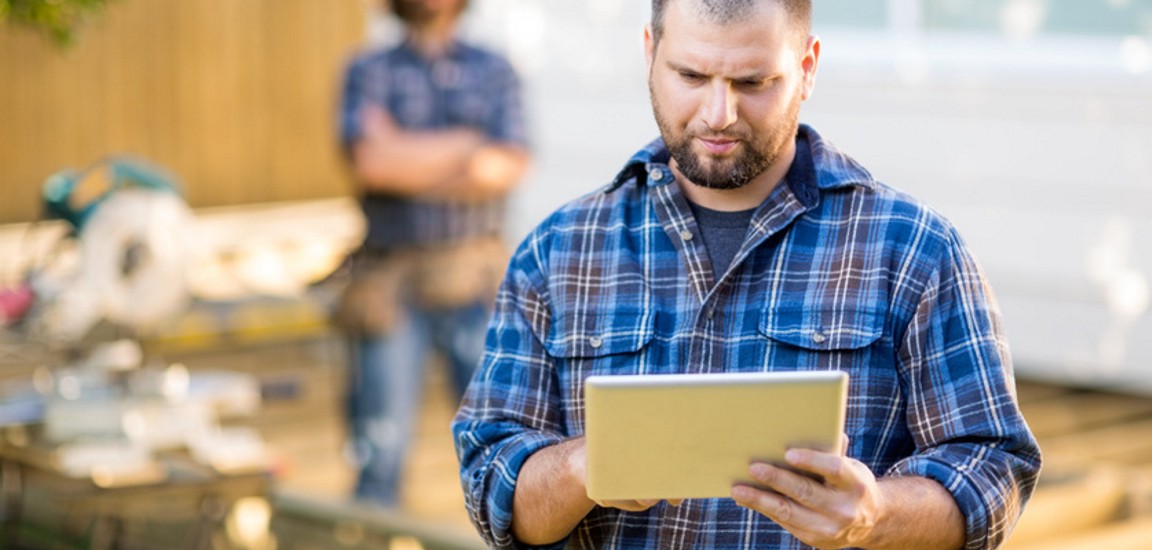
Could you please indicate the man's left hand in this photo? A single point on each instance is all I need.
(838, 512)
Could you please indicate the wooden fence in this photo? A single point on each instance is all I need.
(237, 97)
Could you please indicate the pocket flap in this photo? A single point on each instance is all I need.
(823, 330)
(597, 335)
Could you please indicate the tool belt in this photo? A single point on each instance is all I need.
(380, 283)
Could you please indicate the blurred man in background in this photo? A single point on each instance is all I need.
(744, 241)
(434, 132)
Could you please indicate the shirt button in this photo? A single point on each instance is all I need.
(686, 235)
(711, 312)
(596, 341)
(656, 174)
(818, 337)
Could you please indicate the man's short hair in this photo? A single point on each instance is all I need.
(727, 11)
(404, 11)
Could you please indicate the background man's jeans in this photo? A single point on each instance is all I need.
(386, 386)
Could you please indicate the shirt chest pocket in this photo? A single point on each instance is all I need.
(822, 338)
(468, 108)
(595, 342)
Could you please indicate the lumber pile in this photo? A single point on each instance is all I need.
(1096, 487)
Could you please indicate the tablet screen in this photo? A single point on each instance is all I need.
(694, 435)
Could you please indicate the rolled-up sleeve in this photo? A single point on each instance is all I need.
(962, 409)
(512, 406)
(352, 98)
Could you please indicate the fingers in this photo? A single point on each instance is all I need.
(828, 467)
(815, 480)
(835, 471)
(795, 486)
(628, 505)
(636, 505)
(797, 502)
(787, 512)
(830, 512)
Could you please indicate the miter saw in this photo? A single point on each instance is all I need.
(131, 231)
(124, 261)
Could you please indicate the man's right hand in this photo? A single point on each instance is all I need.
(552, 497)
(578, 465)
(635, 505)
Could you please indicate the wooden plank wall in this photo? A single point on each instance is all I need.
(237, 97)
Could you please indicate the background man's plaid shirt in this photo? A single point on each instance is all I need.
(466, 87)
(837, 271)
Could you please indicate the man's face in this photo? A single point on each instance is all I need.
(727, 96)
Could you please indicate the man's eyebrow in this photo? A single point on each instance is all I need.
(755, 76)
(681, 68)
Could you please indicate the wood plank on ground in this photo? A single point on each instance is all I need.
(1070, 503)
(1032, 391)
(1123, 443)
(1133, 534)
(1081, 411)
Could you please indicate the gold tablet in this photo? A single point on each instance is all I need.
(671, 436)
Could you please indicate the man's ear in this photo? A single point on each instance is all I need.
(649, 46)
(808, 65)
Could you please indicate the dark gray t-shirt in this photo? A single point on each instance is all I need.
(723, 233)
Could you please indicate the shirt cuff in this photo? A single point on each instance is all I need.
(492, 488)
(965, 489)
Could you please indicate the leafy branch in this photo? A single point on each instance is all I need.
(58, 19)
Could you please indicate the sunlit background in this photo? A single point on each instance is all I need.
(1027, 122)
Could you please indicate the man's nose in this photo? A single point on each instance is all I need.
(720, 107)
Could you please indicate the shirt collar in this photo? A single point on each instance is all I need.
(655, 153)
(453, 50)
(833, 168)
(801, 176)
(818, 166)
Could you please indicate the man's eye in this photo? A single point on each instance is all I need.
(691, 77)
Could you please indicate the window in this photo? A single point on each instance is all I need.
(1114, 18)
(868, 14)
(1069, 17)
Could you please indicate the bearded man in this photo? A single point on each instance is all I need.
(743, 241)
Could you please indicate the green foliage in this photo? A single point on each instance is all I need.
(58, 19)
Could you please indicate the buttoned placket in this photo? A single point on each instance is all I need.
(680, 223)
(673, 214)
(770, 222)
(780, 210)
(676, 217)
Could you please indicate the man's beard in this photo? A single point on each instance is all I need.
(754, 155)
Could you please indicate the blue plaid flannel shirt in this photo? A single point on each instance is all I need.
(467, 86)
(838, 271)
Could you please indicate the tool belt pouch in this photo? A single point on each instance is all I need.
(459, 275)
(368, 303)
